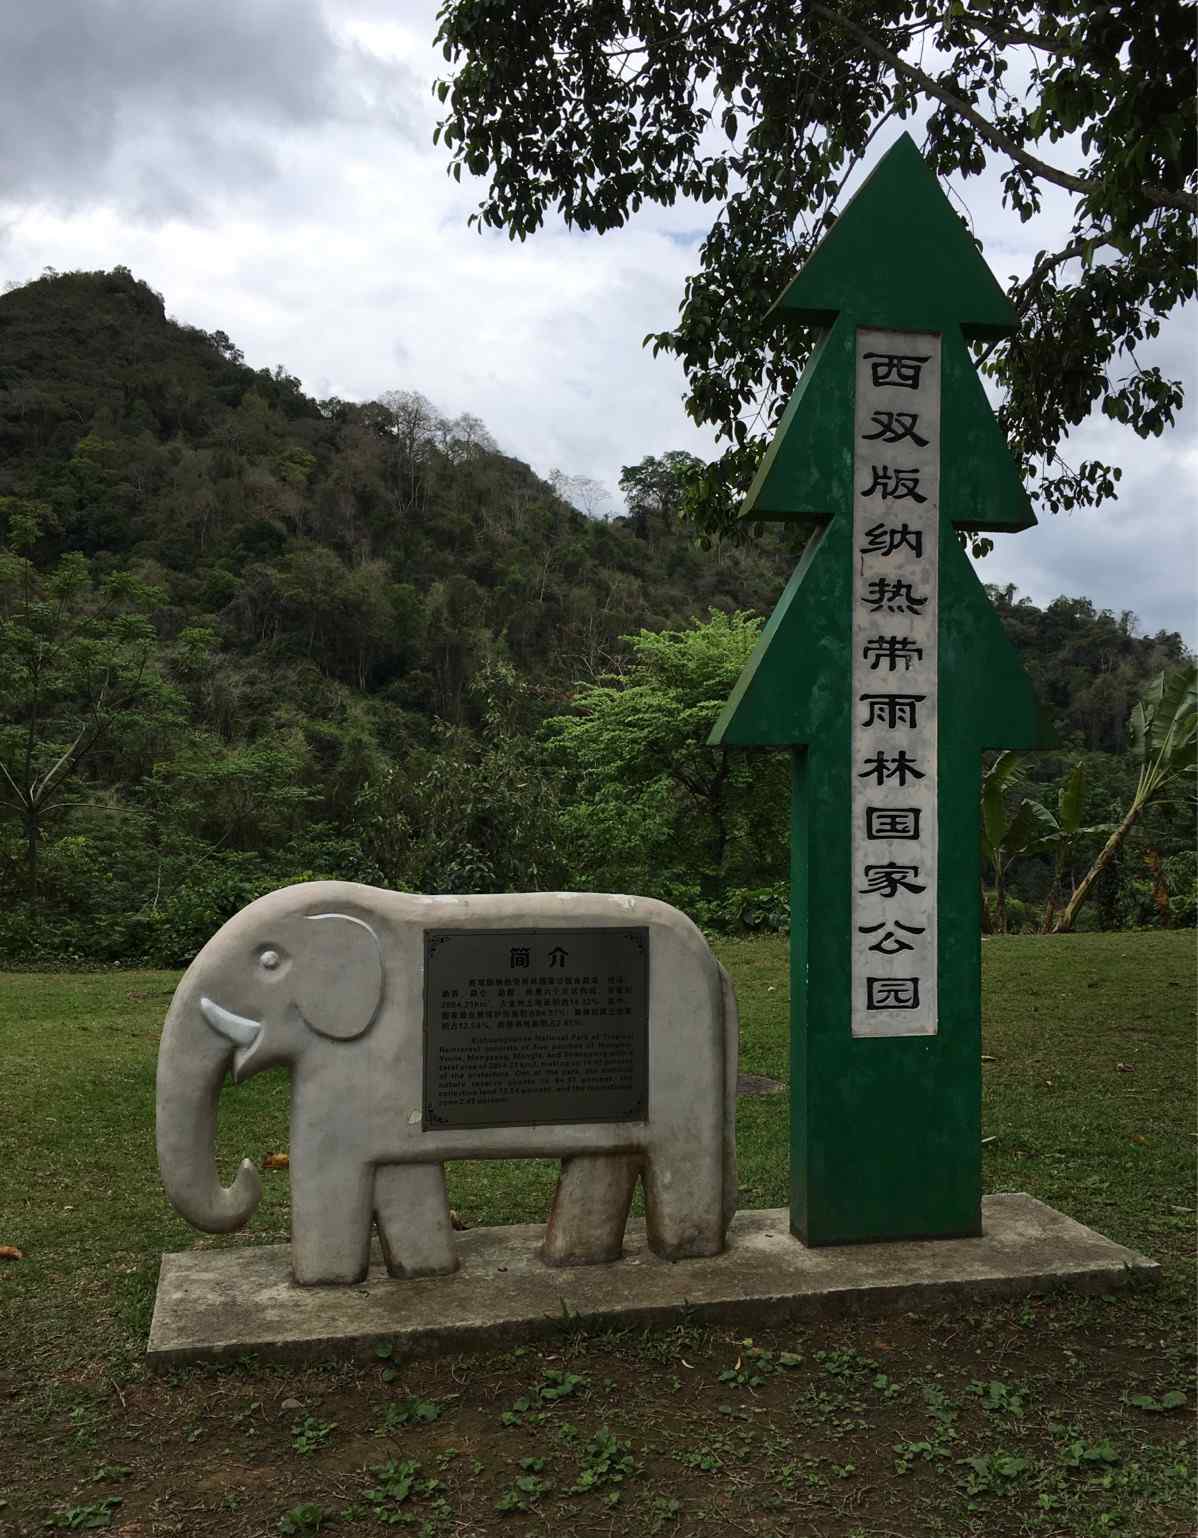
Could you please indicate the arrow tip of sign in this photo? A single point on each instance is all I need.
(899, 255)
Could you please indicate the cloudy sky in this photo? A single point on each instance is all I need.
(268, 166)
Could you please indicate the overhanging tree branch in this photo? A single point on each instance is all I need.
(1159, 197)
(41, 788)
(1000, 33)
(813, 79)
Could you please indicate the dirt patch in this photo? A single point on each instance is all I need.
(758, 1085)
(1050, 1416)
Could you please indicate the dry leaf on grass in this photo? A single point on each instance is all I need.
(276, 1162)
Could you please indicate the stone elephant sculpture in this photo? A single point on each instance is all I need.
(327, 979)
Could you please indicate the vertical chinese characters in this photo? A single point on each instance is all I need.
(896, 506)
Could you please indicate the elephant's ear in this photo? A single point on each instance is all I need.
(338, 975)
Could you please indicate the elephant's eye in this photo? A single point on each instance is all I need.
(270, 960)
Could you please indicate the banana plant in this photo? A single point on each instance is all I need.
(1007, 836)
(1068, 828)
(1163, 733)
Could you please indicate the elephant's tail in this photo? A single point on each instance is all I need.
(731, 1069)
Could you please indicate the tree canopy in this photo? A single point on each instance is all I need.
(78, 680)
(762, 109)
(644, 789)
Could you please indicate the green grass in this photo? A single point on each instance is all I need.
(1089, 1104)
(1114, 1147)
(1090, 1097)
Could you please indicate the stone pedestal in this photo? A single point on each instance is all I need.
(223, 1302)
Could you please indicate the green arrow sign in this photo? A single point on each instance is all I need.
(887, 673)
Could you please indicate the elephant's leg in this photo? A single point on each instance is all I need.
(330, 1221)
(412, 1209)
(590, 1208)
(684, 1204)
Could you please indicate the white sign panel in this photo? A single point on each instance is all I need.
(896, 530)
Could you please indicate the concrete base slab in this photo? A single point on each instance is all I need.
(214, 1303)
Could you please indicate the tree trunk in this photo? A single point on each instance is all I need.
(721, 820)
(33, 840)
(1000, 898)
(1160, 887)
(1105, 855)
(1054, 894)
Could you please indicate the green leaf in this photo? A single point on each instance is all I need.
(994, 819)
(1173, 1400)
(1031, 828)
(1176, 709)
(1069, 801)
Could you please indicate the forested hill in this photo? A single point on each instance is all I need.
(248, 637)
(395, 550)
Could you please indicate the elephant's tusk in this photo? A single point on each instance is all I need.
(236, 1027)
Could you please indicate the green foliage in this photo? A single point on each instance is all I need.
(310, 1434)
(556, 1383)
(1163, 731)
(412, 1411)
(79, 682)
(650, 807)
(757, 1363)
(472, 811)
(1088, 666)
(1029, 829)
(399, 1483)
(236, 797)
(304, 1520)
(276, 639)
(763, 111)
(606, 1463)
(85, 1518)
(1004, 836)
(1164, 727)
(1173, 1399)
(526, 1488)
(760, 910)
(656, 489)
(998, 1397)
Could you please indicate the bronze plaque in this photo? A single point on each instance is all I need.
(533, 1026)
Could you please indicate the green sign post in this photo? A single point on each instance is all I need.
(886, 672)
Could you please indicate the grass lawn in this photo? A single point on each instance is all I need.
(1058, 1416)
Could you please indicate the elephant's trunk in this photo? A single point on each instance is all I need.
(192, 1064)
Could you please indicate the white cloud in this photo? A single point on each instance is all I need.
(269, 168)
(1139, 553)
